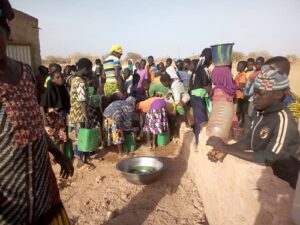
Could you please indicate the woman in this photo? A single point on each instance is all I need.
(156, 120)
(55, 104)
(225, 88)
(200, 86)
(28, 193)
(82, 113)
(118, 118)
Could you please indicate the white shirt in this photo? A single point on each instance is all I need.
(172, 72)
(179, 92)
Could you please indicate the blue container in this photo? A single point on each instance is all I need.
(222, 54)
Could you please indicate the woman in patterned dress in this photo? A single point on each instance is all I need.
(28, 188)
(118, 118)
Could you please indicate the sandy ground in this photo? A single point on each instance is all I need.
(103, 196)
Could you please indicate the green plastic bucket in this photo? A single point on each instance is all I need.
(130, 142)
(91, 91)
(68, 151)
(180, 110)
(88, 140)
(163, 139)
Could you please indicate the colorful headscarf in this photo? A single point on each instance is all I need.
(271, 80)
(221, 77)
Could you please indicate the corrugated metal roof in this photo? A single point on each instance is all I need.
(19, 52)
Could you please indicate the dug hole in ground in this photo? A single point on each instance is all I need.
(232, 192)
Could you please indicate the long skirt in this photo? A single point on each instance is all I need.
(156, 121)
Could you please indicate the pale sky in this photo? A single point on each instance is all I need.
(164, 27)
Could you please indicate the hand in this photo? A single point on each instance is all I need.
(66, 165)
(217, 143)
(212, 156)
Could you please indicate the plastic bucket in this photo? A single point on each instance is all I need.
(222, 54)
(130, 142)
(91, 91)
(180, 110)
(68, 151)
(163, 139)
(88, 140)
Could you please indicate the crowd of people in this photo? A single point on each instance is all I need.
(42, 113)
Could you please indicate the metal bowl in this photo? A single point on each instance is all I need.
(141, 170)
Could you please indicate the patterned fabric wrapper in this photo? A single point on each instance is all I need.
(156, 121)
(271, 80)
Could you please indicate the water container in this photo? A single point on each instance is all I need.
(130, 142)
(88, 140)
(219, 123)
(296, 203)
(163, 139)
(91, 91)
(222, 54)
(68, 151)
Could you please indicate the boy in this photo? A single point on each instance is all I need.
(249, 88)
(180, 95)
(242, 103)
(250, 67)
(171, 70)
(273, 138)
(183, 75)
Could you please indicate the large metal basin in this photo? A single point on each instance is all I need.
(141, 170)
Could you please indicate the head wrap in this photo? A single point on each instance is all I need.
(116, 48)
(221, 77)
(271, 80)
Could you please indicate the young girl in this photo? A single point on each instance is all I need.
(55, 104)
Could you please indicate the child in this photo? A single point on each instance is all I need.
(273, 138)
(55, 104)
(249, 88)
(183, 75)
(118, 118)
(250, 67)
(151, 68)
(156, 120)
(128, 78)
(242, 103)
(142, 73)
(143, 92)
(135, 81)
(171, 70)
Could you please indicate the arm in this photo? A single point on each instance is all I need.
(67, 168)
(238, 149)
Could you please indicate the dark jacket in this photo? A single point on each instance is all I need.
(274, 135)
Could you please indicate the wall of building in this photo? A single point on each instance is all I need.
(25, 31)
(237, 192)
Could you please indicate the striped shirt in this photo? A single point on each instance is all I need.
(110, 63)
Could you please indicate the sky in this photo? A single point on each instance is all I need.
(175, 28)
